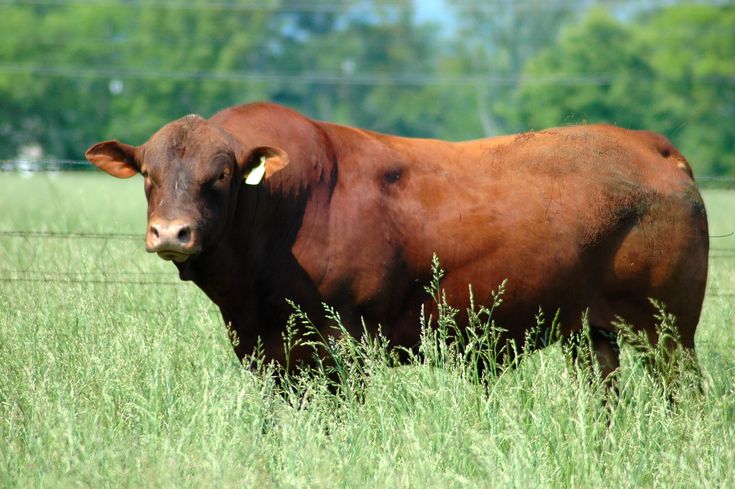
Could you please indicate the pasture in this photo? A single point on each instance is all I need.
(114, 373)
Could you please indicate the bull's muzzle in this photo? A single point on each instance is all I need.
(172, 240)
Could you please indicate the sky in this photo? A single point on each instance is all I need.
(435, 11)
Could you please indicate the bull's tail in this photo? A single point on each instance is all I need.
(667, 150)
(670, 151)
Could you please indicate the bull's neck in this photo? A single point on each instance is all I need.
(262, 227)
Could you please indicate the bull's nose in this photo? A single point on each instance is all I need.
(171, 232)
(172, 240)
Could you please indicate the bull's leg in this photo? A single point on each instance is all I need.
(673, 367)
(691, 366)
(666, 350)
(606, 350)
(601, 347)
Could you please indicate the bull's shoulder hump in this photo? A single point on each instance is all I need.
(256, 108)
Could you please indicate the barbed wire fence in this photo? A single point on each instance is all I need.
(27, 246)
(719, 255)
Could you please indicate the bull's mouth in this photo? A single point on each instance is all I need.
(174, 253)
(175, 256)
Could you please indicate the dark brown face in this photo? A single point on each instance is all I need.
(188, 168)
(192, 170)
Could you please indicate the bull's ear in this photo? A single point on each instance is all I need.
(117, 159)
(262, 163)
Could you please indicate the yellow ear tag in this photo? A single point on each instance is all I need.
(257, 173)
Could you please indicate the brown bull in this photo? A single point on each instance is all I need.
(259, 204)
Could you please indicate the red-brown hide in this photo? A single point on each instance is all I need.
(578, 218)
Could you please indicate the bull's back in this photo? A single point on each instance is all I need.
(572, 183)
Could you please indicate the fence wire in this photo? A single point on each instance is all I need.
(114, 276)
(70, 235)
(69, 262)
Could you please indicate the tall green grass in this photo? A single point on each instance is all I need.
(131, 384)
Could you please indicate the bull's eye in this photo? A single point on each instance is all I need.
(144, 173)
(223, 176)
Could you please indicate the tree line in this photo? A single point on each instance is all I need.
(74, 72)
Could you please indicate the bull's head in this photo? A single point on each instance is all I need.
(193, 169)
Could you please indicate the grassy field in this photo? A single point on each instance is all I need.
(114, 374)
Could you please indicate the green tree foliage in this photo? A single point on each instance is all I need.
(178, 61)
(361, 68)
(692, 49)
(44, 101)
(495, 40)
(672, 71)
(75, 73)
(72, 72)
(596, 72)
